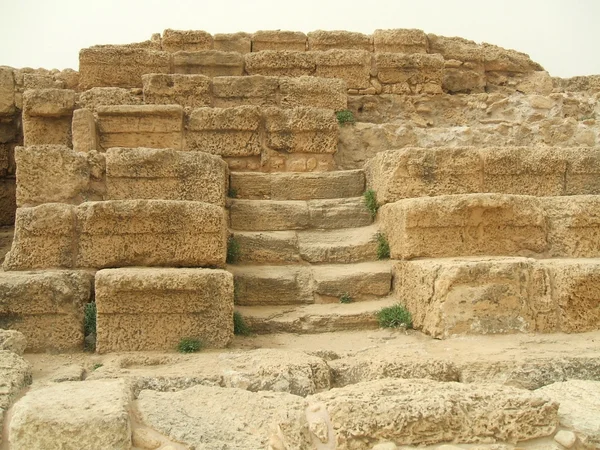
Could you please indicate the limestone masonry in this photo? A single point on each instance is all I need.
(305, 181)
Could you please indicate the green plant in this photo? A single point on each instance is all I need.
(371, 202)
(394, 316)
(240, 328)
(383, 247)
(233, 250)
(345, 298)
(344, 117)
(89, 319)
(97, 366)
(233, 192)
(189, 345)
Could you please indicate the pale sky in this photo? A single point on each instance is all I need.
(562, 35)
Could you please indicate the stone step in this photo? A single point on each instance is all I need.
(279, 215)
(313, 318)
(285, 285)
(297, 185)
(348, 245)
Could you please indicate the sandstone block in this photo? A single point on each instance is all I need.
(47, 307)
(109, 96)
(8, 203)
(85, 135)
(465, 225)
(321, 40)
(224, 131)
(40, 81)
(113, 66)
(301, 130)
(246, 90)
(338, 246)
(338, 213)
(313, 92)
(498, 59)
(7, 91)
(234, 42)
(278, 40)
(46, 130)
(583, 171)
(352, 66)
(49, 102)
(410, 73)
(184, 90)
(259, 215)
(212, 63)
(73, 415)
(15, 374)
(153, 126)
(189, 40)
(164, 174)
(400, 41)
(12, 341)
(153, 309)
(272, 247)
(280, 63)
(363, 281)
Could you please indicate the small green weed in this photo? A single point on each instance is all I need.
(240, 328)
(345, 298)
(89, 318)
(233, 192)
(97, 366)
(233, 250)
(371, 202)
(189, 345)
(345, 117)
(394, 316)
(383, 247)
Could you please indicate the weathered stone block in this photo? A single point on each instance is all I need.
(410, 73)
(352, 66)
(153, 309)
(112, 66)
(47, 130)
(224, 131)
(164, 174)
(246, 90)
(362, 281)
(85, 134)
(235, 42)
(400, 41)
(47, 307)
(498, 59)
(8, 202)
(321, 40)
(153, 126)
(278, 40)
(189, 40)
(313, 92)
(280, 63)
(185, 90)
(109, 96)
(7, 91)
(583, 171)
(212, 63)
(41, 81)
(48, 102)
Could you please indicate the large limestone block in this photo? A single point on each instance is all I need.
(313, 92)
(47, 116)
(233, 42)
(475, 296)
(185, 90)
(278, 40)
(224, 131)
(83, 128)
(400, 41)
(109, 96)
(352, 66)
(280, 63)
(73, 415)
(47, 130)
(422, 412)
(322, 40)
(47, 307)
(583, 171)
(112, 66)
(573, 225)
(212, 63)
(188, 40)
(8, 203)
(48, 102)
(246, 90)
(7, 91)
(53, 173)
(410, 73)
(154, 126)
(165, 174)
(301, 130)
(153, 309)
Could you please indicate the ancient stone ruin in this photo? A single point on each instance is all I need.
(306, 182)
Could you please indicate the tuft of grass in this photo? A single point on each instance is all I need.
(345, 117)
(233, 192)
(189, 345)
(240, 328)
(345, 298)
(97, 366)
(394, 316)
(383, 247)
(89, 319)
(371, 202)
(233, 250)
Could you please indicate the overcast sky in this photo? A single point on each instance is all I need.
(562, 35)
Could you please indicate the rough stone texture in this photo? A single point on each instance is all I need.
(118, 233)
(301, 130)
(189, 40)
(12, 341)
(246, 90)
(224, 131)
(280, 63)
(48, 102)
(579, 408)
(185, 90)
(400, 41)
(465, 225)
(233, 42)
(53, 173)
(109, 96)
(15, 374)
(165, 174)
(8, 203)
(47, 130)
(7, 91)
(73, 415)
(410, 73)
(212, 63)
(153, 309)
(113, 66)
(321, 40)
(47, 307)
(83, 127)
(361, 281)
(313, 92)
(154, 126)
(278, 40)
(352, 66)
(412, 412)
